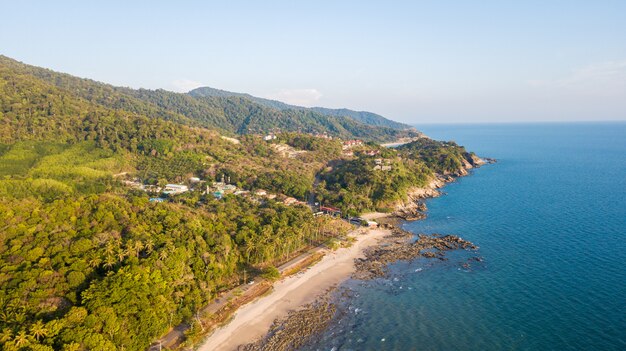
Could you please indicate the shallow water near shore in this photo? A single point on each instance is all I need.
(550, 221)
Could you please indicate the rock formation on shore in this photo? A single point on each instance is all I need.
(297, 327)
(398, 248)
(413, 207)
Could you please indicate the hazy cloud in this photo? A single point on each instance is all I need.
(300, 97)
(185, 85)
(601, 79)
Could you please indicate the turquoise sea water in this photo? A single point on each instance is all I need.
(550, 220)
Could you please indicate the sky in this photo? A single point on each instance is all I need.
(438, 61)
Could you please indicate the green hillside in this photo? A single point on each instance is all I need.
(231, 115)
(90, 261)
(364, 117)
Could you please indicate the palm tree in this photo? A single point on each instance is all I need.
(250, 247)
(121, 254)
(94, 260)
(21, 339)
(163, 254)
(109, 261)
(6, 335)
(39, 330)
(109, 248)
(137, 247)
(149, 246)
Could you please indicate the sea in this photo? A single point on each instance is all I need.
(550, 222)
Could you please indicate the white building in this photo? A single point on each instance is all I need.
(172, 189)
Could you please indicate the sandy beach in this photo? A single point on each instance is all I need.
(253, 320)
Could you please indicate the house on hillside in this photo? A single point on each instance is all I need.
(351, 143)
(382, 168)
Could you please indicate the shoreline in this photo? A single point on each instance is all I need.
(253, 320)
(298, 292)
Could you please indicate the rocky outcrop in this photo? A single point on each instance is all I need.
(293, 331)
(413, 207)
(398, 248)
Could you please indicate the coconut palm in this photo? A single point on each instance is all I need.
(94, 260)
(137, 247)
(109, 261)
(21, 339)
(163, 254)
(121, 254)
(38, 330)
(6, 335)
(109, 248)
(250, 248)
(149, 246)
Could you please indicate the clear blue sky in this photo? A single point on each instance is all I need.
(412, 61)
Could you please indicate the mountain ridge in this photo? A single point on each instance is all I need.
(232, 115)
(366, 117)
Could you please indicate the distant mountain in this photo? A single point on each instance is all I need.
(369, 118)
(227, 113)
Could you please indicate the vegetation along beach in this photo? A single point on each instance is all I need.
(312, 175)
(147, 215)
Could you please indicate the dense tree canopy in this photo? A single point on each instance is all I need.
(87, 262)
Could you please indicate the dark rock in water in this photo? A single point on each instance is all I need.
(421, 206)
(429, 246)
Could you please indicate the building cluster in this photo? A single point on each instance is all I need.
(382, 165)
(216, 189)
(219, 189)
(348, 144)
(371, 152)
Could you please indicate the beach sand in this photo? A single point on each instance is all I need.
(253, 320)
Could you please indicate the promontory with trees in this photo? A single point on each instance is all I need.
(124, 212)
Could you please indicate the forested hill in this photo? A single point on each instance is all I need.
(227, 114)
(365, 117)
(96, 253)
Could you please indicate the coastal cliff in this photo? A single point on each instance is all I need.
(413, 206)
